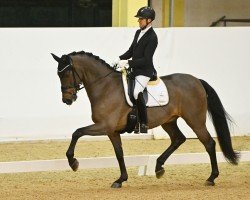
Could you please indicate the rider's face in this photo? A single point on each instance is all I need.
(142, 22)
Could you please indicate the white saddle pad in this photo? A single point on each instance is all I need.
(157, 92)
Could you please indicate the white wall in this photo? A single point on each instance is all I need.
(204, 12)
(30, 95)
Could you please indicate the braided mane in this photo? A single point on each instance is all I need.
(92, 56)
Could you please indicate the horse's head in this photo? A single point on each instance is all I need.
(69, 79)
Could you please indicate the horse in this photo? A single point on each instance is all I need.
(189, 98)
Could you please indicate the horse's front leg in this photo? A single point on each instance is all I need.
(117, 144)
(92, 130)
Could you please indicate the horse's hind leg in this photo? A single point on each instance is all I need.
(209, 144)
(177, 138)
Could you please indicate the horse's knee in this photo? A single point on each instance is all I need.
(76, 134)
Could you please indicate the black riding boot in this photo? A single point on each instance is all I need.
(137, 126)
(142, 111)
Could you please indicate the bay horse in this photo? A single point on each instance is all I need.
(189, 98)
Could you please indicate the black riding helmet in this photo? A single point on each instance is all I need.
(146, 13)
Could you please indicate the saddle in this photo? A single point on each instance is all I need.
(155, 94)
(131, 87)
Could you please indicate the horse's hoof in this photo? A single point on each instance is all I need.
(116, 185)
(160, 173)
(209, 183)
(75, 165)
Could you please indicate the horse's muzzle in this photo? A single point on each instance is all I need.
(69, 100)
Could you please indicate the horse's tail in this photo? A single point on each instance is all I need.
(219, 118)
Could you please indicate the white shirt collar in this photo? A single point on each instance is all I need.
(146, 29)
(143, 32)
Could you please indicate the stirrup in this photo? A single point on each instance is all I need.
(143, 128)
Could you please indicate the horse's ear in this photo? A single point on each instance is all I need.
(56, 57)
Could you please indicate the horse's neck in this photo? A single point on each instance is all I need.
(96, 78)
(92, 71)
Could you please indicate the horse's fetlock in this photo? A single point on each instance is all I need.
(69, 155)
(159, 163)
(125, 178)
(122, 179)
(216, 174)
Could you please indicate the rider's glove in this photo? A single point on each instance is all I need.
(115, 62)
(123, 64)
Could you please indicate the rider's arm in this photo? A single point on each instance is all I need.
(147, 59)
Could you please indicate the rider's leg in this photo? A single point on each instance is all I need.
(140, 84)
(142, 110)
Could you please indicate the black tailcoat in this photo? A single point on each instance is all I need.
(142, 53)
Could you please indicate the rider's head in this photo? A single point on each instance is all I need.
(145, 16)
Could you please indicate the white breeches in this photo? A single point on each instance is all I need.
(140, 84)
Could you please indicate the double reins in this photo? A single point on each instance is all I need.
(77, 86)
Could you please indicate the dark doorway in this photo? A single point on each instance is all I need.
(55, 13)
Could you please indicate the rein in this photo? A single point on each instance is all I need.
(76, 86)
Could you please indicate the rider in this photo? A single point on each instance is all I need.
(141, 51)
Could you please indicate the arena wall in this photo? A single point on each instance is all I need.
(31, 106)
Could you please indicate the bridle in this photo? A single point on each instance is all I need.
(76, 86)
